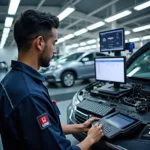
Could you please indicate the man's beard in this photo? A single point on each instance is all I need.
(44, 59)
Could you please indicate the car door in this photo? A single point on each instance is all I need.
(86, 68)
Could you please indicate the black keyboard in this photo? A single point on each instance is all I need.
(95, 108)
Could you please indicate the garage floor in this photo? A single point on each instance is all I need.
(63, 97)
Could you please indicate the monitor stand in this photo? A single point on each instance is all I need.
(115, 89)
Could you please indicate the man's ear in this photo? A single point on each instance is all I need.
(39, 43)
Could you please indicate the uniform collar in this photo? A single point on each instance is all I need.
(17, 65)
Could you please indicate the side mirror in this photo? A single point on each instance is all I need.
(85, 59)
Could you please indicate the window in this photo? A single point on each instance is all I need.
(100, 54)
(90, 57)
(71, 57)
(140, 68)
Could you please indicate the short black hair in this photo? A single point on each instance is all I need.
(31, 24)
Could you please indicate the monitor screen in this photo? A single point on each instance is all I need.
(120, 121)
(113, 40)
(110, 69)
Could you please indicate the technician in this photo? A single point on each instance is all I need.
(29, 120)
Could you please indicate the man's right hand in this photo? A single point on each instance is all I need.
(95, 133)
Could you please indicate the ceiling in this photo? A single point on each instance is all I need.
(87, 12)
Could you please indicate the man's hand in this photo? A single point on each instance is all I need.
(95, 133)
(86, 124)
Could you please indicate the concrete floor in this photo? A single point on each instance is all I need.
(63, 97)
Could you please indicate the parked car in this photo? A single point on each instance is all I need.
(138, 71)
(3, 66)
(78, 65)
(53, 62)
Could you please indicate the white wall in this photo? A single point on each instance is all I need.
(8, 54)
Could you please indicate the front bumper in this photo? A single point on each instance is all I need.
(71, 120)
(52, 76)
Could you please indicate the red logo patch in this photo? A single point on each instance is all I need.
(43, 121)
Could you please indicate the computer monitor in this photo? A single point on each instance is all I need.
(110, 69)
(113, 40)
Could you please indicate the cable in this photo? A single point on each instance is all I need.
(7, 96)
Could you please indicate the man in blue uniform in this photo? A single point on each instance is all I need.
(28, 118)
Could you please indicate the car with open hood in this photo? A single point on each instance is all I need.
(135, 103)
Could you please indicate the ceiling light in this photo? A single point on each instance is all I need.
(142, 6)
(80, 48)
(13, 6)
(75, 45)
(83, 44)
(87, 47)
(8, 21)
(96, 25)
(6, 30)
(146, 37)
(65, 13)
(141, 28)
(134, 40)
(91, 41)
(69, 36)
(127, 32)
(80, 32)
(69, 46)
(4, 35)
(93, 46)
(60, 40)
(118, 16)
(126, 41)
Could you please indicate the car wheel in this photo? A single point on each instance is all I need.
(68, 79)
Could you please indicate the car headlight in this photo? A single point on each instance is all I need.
(75, 101)
(58, 66)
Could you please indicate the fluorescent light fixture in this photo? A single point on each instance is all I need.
(65, 13)
(75, 45)
(60, 40)
(93, 46)
(146, 37)
(69, 46)
(142, 6)
(91, 41)
(87, 47)
(126, 41)
(5, 36)
(8, 21)
(6, 30)
(127, 32)
(69, 36)
(134, 40)
(1, 46)
(141, 28)
(3, 41)
(13, 6)
(79, 32)
(118, 16)
(83, 43)
(96, 25)
(98, 39)
(80, 48)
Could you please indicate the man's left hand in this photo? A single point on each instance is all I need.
(87, 124)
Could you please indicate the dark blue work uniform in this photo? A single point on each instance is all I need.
(30, 121)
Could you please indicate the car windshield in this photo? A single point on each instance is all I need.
(140, 68)
(70, 57)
